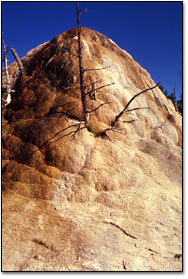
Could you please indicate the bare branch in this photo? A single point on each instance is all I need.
(113, 129)
(121, 229)
(98, 107)
(47, 141)
(94, 82)
(20, 65)
(84, 11)
(104, 133)
(8, 87)
(130, 121)
(130, 101)
(60, 137)
(72, 132)
(127, 111)
(105, 85)
(89, 92)
(97, 69)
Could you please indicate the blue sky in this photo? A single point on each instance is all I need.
(150, 31)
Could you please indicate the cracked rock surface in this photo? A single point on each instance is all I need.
(94, 202)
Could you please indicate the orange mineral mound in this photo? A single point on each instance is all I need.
(99, 201)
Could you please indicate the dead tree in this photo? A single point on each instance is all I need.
(8, 87)
(20, 65)
(76, 126)
(82, 70)
(10, 83)
(84, 91)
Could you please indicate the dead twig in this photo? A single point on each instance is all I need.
(104, 85)
(130, 121)
(127, 111)
(59, 132)
(99, 80)
(105, 103)
(97, 69)
(151, 250)
(72, 132)
(49, 141)
(122, 229)
(113, 129)
(98, 88)
(93, 84)
(104, 133)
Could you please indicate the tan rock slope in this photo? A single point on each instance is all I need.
(95, 202)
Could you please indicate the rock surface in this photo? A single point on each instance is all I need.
(96, 202)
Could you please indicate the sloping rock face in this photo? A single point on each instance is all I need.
(97, 201)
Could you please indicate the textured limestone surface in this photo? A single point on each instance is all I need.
(97, 201)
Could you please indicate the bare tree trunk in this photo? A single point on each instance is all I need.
(8, 87)
(20, 65)
(82, 70)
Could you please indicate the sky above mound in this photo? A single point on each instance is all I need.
(150, 31)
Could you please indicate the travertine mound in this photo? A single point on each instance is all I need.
(99, 201)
